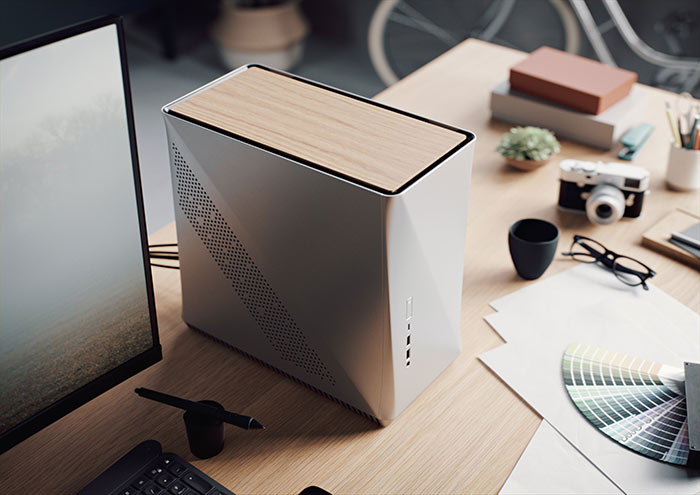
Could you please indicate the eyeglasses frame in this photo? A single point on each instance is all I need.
(608, 259)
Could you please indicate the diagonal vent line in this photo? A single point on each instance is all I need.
(261, 302)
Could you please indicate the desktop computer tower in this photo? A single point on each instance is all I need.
(321, 233)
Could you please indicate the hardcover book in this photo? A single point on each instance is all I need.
(570, 80)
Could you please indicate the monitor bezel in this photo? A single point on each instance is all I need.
(101, 384)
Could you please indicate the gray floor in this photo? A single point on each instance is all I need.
(155, 82)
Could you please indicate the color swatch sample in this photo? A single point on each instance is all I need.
(638, 403)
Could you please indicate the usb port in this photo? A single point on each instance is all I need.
(408, 340)
(408, 363)
(408, 353)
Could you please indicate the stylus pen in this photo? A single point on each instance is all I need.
(245, 422)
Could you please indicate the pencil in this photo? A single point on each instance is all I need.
(674, 129)
(691, 138)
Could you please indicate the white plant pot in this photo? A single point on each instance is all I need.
(271, 35)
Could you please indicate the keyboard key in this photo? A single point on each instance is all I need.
(154, 471)
(177, 469)
(197, 483)
(151, 489)
(164, 479)
(140, 482)
(128, 491)
(179, 488)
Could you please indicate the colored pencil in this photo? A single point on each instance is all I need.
(691, 138)
(674, 129)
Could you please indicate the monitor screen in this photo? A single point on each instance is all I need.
(76, 300)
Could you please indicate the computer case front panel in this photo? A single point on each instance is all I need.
(425, 228)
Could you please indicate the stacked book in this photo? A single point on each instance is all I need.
(577, 98)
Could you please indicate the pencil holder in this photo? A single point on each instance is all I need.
(204, 433)
(683, 170)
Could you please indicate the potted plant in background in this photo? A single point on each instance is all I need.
(528, 148)
(269, 32)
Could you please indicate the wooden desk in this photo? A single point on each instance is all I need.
(463, 435)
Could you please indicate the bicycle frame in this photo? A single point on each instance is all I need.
(594, 32)
(639, 47)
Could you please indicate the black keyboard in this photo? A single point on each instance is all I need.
(146, 470)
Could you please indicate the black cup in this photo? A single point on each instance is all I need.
(532, 244)
(205, 434)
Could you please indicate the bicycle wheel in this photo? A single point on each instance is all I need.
(406, 34)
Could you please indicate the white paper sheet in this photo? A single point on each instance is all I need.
(547, 305)
(580, 305)
(551, 465)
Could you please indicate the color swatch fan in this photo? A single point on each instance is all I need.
(640, 404)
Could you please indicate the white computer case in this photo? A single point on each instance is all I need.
(316, 275)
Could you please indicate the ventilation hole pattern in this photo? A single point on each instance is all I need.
(252, 288)
(368, 416)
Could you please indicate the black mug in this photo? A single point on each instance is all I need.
(532, 244)
(205, 433)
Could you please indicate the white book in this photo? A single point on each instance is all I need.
(601, 131)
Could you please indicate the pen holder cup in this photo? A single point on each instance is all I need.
(683, 170)
(204, 433)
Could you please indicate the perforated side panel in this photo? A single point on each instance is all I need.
(296, 379)
(252, 288)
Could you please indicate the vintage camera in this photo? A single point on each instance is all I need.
(605, 191)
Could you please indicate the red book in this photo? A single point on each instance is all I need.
(571, 80)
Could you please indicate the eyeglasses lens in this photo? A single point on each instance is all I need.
(630, 271)
(586, 250)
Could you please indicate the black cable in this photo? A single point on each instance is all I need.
(166, 266)
(167, 256)
(164, 255)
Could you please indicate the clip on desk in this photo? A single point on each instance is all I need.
(464, 434)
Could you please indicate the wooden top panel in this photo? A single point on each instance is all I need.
(358, 140)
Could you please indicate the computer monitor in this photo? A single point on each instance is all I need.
(77, 314)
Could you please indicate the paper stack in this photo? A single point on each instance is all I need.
(601, 131)
(586, 304)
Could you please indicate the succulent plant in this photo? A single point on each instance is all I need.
(528, 143)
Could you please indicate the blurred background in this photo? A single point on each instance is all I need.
(361, 46)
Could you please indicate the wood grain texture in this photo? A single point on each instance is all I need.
(464, 434)
(658, 236)
(364, 142)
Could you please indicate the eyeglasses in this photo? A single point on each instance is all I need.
(626, 269)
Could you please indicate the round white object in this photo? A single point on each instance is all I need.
(605, 205)
(683, 169)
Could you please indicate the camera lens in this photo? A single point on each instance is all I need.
(605, 204)
(603, 211)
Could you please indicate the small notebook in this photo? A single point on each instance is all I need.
(692, 232)
(658, 237)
